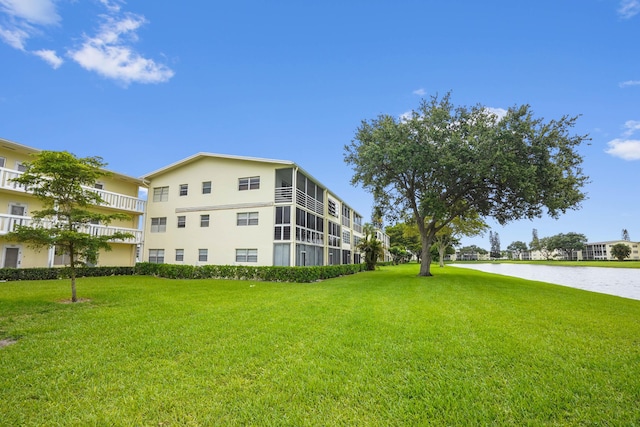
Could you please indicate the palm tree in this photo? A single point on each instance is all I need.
(371, 246)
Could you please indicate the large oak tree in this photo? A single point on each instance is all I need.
(444, 162)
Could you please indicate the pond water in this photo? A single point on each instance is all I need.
(623, 282)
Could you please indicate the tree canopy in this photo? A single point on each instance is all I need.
(449, 235)
(567, 243)
(516, 248)
(443, 162)
(64, 183)
(620, 251)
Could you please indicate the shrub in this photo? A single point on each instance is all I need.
(243, 272)
(59, 273)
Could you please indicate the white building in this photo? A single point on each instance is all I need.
(120, 195)
(232, 210)
(602, 250)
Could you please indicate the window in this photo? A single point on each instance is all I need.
(179, 254)
(159, 225)
(99, 185)
(21, 167)
(346, 237)
(2, 162)
(182, 221)
(184, 189)
(204, 220)
(332, 208)
(156, 256)
(203, 255)
(334, 234)
(283, 216)
(160, 194)
(281, 254)
(251, 183)
(206, 187)
(246, 255)
(247, 218)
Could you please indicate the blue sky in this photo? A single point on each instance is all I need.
(144, 84)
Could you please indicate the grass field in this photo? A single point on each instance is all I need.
(379, 348)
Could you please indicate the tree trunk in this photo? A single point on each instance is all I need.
(72, 273)
(425, 265)
(441, 250)
(74, 298)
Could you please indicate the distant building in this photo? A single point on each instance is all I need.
(602, 250)
(592, 251)
(233, 210)
(120, 193)
(386, 244)
(468, 256)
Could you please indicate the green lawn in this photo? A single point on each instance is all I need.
(378, 348)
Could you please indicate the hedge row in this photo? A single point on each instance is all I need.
(241, 272)
(171, 271)
(61, 273)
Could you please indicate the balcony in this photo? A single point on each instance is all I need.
(9, 222)
(284, 195)
(111, 200)
(309, 202)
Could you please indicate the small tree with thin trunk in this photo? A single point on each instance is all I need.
(64, 183)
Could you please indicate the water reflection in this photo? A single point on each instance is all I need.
(623, 282)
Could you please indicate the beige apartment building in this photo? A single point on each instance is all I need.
(120, 193)
(602, 250)
(592, 251)
(232, 210)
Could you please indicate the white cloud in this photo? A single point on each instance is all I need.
(498, 112)
(14, 37)
(630, 83)
(109, 52)
(420, 92)
(625, 149)
(406, 116)
(631, 127)
(629, 8)
(110, 55)
(39, 12)
(23, 17)
(49, 56)
(112, 6)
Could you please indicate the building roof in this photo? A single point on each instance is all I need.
(24, 149)
(609, 242)
(202, 155)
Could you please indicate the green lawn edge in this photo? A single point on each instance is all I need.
(377, 348)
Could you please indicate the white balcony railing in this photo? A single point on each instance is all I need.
(284, 195)
(111, 200)
(9, 222)
(309, 202)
